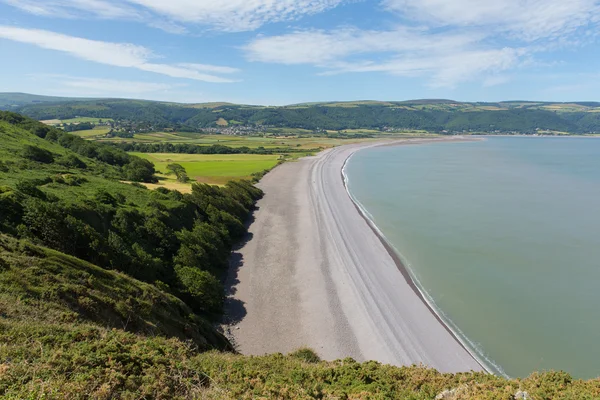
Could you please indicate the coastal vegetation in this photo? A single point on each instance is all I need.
(66, 194)
(112, 291)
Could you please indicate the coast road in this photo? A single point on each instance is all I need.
(313, 273)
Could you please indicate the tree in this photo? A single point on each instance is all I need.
(139, 170)
(179, 172)
(204, 290)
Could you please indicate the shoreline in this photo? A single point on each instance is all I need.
(394, 254)
(315, 273)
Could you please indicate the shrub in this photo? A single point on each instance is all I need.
(74, 180)
(38, 154)
(41, 131)
(140, 170)
(138, 185)
(203, 289)
(102, 196)
(306, 354)
(72, 161)
(30, 188)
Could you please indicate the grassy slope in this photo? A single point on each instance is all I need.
(43, 287)
(98, 175)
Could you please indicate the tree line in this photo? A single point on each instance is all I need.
(183, 148)
(315, 117)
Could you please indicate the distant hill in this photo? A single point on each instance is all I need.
(13, 100)
(433, 115)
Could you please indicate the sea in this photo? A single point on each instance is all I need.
(502, 236)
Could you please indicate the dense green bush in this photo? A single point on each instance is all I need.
(72, 161)
(201, 289)
(38, 154)
(306, 354)
(139, 170)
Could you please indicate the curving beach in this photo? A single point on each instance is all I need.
(314, 273)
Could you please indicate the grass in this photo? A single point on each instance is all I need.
(46, 286)
(284, 139)
(97, 132)
(97, 176)
(80, 120)
(214, 169)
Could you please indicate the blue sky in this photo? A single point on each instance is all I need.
(279, 52)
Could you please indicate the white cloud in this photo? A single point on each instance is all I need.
(113, 87)
(444, 59)
(74, 8)
(115, 54)
(210, 68)
(524, 19)
(320, 47)
(451, 41)
(236, 15)
(223, 15)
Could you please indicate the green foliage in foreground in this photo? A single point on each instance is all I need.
(41, 287)
(71, 330)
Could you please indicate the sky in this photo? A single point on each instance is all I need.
(277, 52)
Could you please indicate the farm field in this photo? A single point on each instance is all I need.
(78, 120)
(208, 168)
(281, 141)
(98, 131)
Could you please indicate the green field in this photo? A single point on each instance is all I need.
(282, 139)
(80, 120)
(214, 169)
(97, 132)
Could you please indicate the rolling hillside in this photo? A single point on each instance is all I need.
(440, 116)
(10, 101)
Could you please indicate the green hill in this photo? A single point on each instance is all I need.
(13, 100)
(443, 116)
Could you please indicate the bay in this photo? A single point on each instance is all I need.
(503, 236)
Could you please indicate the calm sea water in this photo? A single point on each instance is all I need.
(504, 236)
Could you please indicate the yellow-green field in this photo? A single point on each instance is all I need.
(97, 132)
(281, 140)
(77, 120)
(80, 120)
(209, 168)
